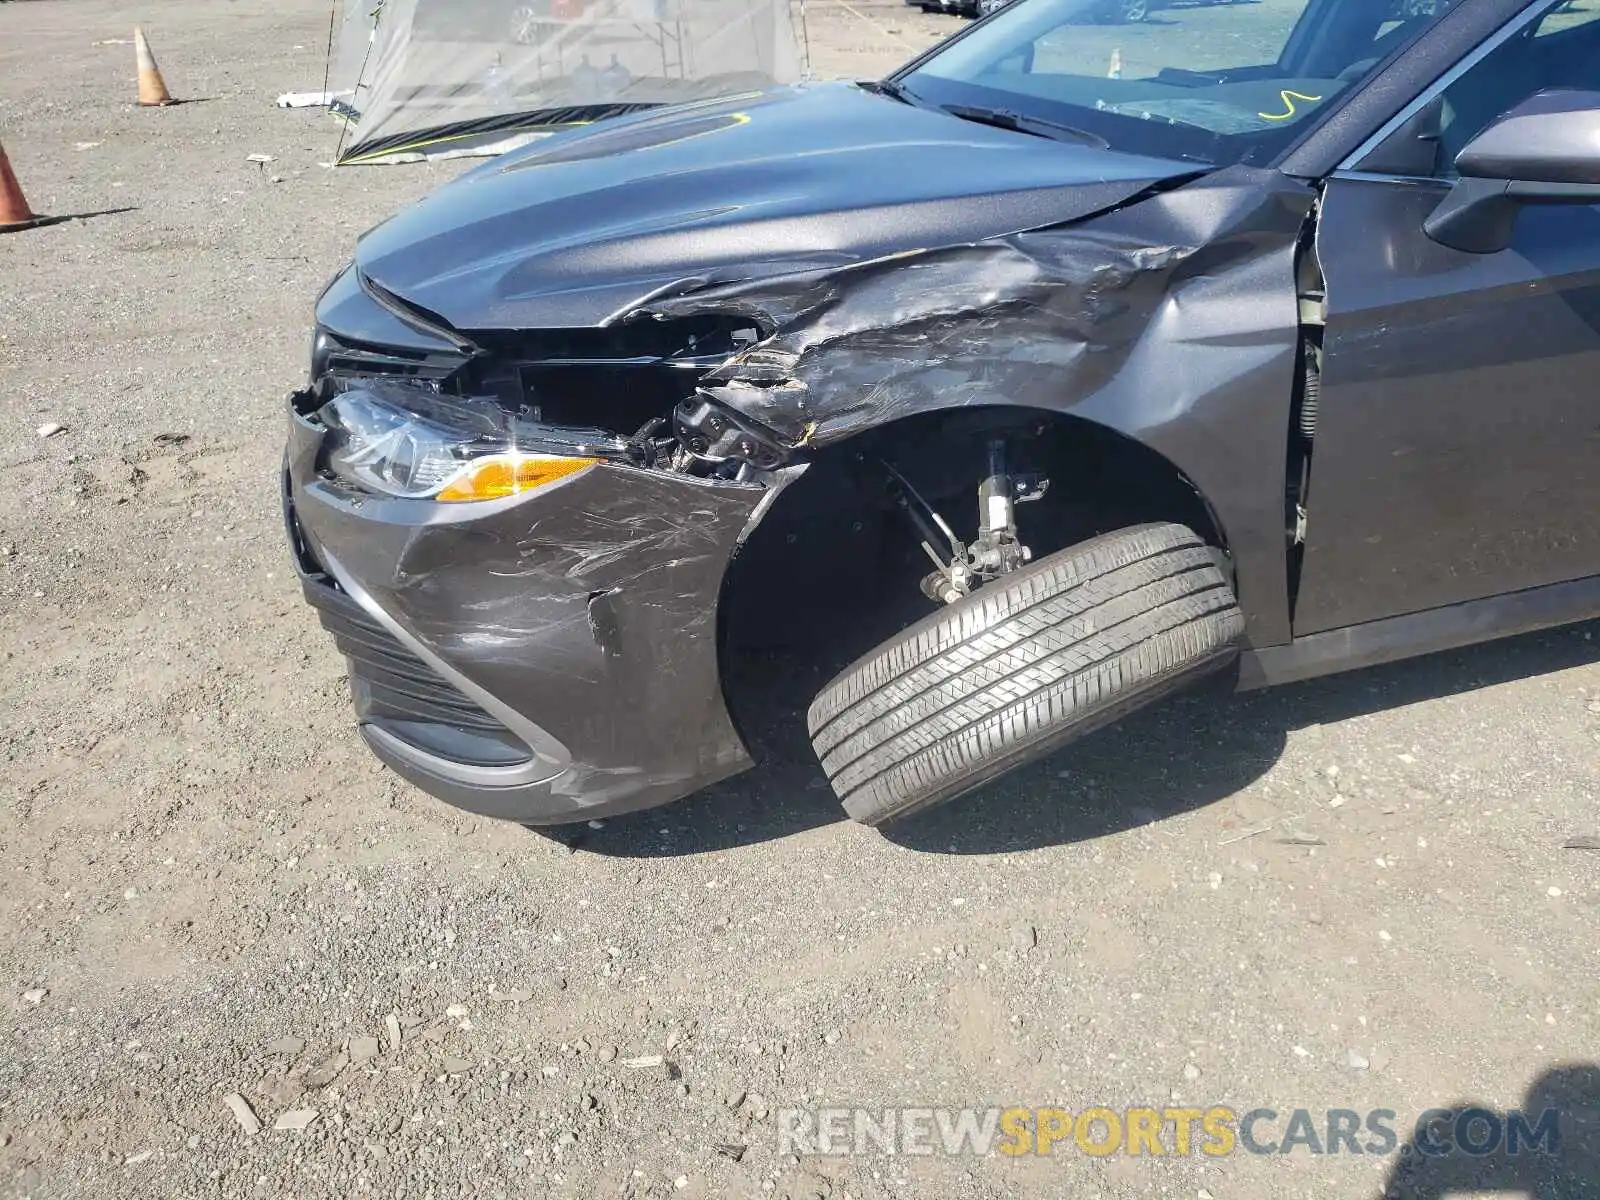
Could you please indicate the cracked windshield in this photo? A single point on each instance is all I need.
(1216, 83)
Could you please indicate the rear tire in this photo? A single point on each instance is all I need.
(1022, 666)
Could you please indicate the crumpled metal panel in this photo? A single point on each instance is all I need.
(1171, 317)
(579, 228)
(589, 608)
(1173, 320)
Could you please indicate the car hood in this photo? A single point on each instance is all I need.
(580, 226)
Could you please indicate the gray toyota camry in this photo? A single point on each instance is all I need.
(1068, 366)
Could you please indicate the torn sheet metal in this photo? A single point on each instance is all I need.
(581, 227)
(1169, 316)
(992, 270)
(1168, 320)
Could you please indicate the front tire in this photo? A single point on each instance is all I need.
(1024, 665)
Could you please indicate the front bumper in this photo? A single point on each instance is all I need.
(546, 658)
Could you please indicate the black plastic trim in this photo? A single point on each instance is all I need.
(1425, 632)
(460, 133)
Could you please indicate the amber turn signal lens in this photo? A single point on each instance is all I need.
(500, 475)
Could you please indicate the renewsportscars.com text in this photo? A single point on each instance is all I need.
(1214, 1131)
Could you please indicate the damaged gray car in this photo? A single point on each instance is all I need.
(1039, 391)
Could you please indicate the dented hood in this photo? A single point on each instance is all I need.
(583, 225)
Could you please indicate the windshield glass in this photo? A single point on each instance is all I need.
(1217, 83)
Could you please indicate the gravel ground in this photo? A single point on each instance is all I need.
(1355, 893)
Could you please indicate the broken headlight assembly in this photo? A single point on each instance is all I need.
(411, 442)
(525, 409)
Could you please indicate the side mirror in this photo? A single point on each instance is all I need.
(1544, 151)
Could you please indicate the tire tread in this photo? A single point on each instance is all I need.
(1026, 664)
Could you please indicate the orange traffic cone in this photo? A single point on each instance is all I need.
(14, 211)
(152, 88)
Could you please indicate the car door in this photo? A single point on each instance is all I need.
(1457, 445)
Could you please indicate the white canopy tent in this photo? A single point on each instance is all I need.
(422, 78)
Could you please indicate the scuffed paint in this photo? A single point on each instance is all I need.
(590, 608)
(998, 323)
(1171, 319)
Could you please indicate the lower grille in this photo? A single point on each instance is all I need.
(397, 692)
(396, 683)
(393, 689)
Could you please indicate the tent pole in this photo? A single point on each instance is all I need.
(361, 76)
(327, 58)
(805, 39)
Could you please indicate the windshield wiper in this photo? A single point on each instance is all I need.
(896, 91)
(1004, 118)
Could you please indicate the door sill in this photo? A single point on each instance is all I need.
(1425, 632)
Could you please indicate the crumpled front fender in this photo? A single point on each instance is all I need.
(1173, 321)
(587, 609)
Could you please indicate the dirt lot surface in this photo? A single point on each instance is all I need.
(1354, 894)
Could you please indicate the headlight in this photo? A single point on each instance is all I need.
(408, 441)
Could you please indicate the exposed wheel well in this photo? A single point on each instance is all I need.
(833, 569)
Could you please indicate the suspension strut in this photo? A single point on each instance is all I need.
(995, 551)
